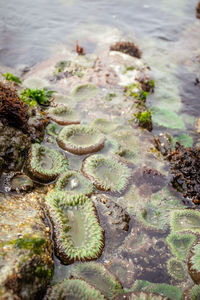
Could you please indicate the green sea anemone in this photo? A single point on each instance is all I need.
(105, 125)
(74, 289)
(84, 91)
(153, 218)
(123, 269)
(53, 129)
(185, 220)
(45, 163)
(78, 235)
(194, 263)
(166, 290)
(180, 243)
(80, 139)
(176, 269)
(106, 173)
(99, 277)
(140, 296)
(74, 183)
(127, 156)
(63, 115)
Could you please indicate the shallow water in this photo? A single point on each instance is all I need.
(167, 32)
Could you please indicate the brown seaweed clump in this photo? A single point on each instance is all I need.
(185, 166)
(198, 10)
(127, 48)
(12, 109)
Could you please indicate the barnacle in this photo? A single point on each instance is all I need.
(106, 173)
(176, 269)
(45, 163)
(80, 139)
(63, 115)
(180, 243)
(74, 183)
(185, 220)
(99, 277)
(78, 235)
(74, 289)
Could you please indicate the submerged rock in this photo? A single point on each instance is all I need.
(25, 248)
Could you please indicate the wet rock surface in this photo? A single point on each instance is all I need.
(25, 248)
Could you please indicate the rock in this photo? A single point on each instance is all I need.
(25, 248)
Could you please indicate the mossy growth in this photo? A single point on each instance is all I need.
(110, 96)
(167, 118)
(63, 115)
(11, 77)
(33, 243)
(176, 269)
(80, 139)
(99, 277)
(33, 97)
(74, 183)
(42, 271)
(74, 289)
(166, 290)
(185, 220)
(78, 235)
(106, 173)
(84, 91)
(180, 243)
(144, 119)
(53, 129)
(45, 163)
(153, 218)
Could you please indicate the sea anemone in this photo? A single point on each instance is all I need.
(84, 91)
(106, 173)
(140, 296)
(63, 115)
(74, 183)
(80, 139)
(99, 277)
(176, 269)
(180, 243)
(194, 263)
(46, 164)
(185, 220)
(78, 235)
(18, 182)
(53, 129)
(74, 289)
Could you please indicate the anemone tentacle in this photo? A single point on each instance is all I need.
(78, 235)
(80, 139)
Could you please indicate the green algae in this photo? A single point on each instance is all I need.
(106, 173)
(78, 235)
(180, 243)
(35, 244)
(99, 277)
(167, 118)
